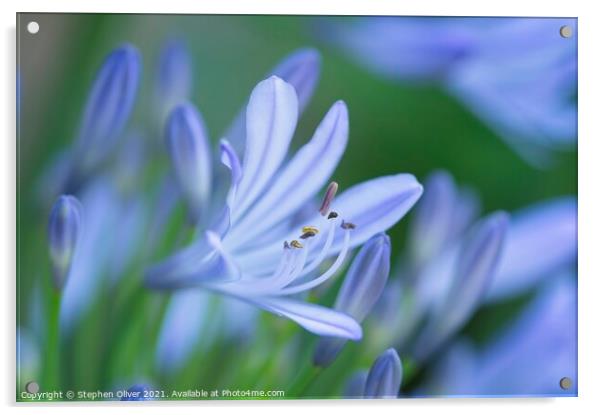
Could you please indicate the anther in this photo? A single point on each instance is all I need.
(311, 229)
(286, 245)
(333, 215)
(296, 244)
(328, 197)
(308, 234)
(347, 225)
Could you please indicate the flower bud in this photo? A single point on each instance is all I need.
(64, 232)
(173, 85)
(108, 107)
(361, 289)
(384, 378)
(188, 147)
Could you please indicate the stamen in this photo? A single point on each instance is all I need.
(311, 229)
(322, 278)
(328, 198)
(296, 244)
(308, 235)
(347, 225)
(323, 252)
(286, 245)
(333, 215)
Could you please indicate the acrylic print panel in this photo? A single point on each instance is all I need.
(289, 207)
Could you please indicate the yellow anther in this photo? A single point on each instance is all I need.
(296, 244)
(311, 229)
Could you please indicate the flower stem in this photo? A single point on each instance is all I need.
(51, 379)
(303, 380)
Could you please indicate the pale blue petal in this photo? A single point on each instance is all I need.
(271, 120)
(203, 262)
(541, 239)
(314, 318)
(384, 378)
(301, 178)
(301, 69)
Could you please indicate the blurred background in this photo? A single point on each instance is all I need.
(394, 126)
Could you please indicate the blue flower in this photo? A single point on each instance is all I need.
(253, 250)
(107, 109)
(361, 289)
(517, 75)
(384, 378)
(65, 228)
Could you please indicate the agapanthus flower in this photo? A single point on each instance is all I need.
(253, 250)
(518, 75)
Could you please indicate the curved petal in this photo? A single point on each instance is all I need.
(314, 318)
(301, 178)
(541, 239)
(203, 262)
(271, 120)
(301, 69)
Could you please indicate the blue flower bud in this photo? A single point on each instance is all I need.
(384, 378)
(108, 108)
(190, 153)
(476, 265)
(173, 85)
(64, 232)
(361, 289)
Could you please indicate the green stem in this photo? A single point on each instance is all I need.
(303, 380)
(51, 379)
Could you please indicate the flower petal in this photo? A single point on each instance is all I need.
(314, 318)
(271, 120)
(203, 262)
(541, 239)
(301, 69)
(301, 178)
